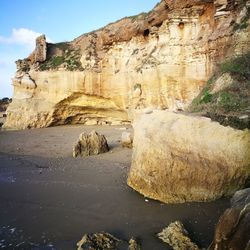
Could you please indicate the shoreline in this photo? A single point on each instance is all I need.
(54, 199)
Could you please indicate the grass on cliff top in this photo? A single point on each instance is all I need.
(228, 105)
(70, 59)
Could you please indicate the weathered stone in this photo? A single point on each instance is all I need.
(105, 241)
(161, 59)
(177, 237)
(134, 245)
(127, 140)
(98, 241)
(232, 230)
(41, 49)
(90, 144)
(178, 158)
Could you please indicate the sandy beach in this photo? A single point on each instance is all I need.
(48, 199)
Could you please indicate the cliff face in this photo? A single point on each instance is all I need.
(160, 59)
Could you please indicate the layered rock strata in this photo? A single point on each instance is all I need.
(159, 59)
(178, 158)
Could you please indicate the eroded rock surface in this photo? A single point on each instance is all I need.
(232, 230)
(90, 144)
(177, 237)
(105, 241)
(159, 59)
(127, 140)
(178, 158)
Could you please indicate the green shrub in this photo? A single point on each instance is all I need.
(56, 61)
(206, 98)
(228, 102)
(239, 65)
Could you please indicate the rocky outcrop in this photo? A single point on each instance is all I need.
(177, 237)
(41, 49)
(4, 103)
(178, 158)
(232, 230)
(159, 59)
(90, 144)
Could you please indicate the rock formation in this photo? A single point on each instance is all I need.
(177, 237)
(4, 103)
(90, 144)
(105, 241)
(232, 230)
(159, 59)
(178, 158)
(127, 140)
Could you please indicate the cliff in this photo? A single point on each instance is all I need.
(161, 59)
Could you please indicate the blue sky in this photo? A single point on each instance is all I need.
(21, 21)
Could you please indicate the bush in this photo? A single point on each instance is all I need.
(207, 97)
(239, 65)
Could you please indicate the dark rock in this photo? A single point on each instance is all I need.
(90, 144)
(232, 230)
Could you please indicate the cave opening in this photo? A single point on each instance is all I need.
(146, 32)
(181, 25)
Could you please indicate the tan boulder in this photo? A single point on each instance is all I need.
(179, 158)
(90, 144)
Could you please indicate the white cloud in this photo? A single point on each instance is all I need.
(22, 36)
(18, 45)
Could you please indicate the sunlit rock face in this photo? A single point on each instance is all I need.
(179, 158)
(160, 60)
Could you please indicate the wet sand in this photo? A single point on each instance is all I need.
(48, 199)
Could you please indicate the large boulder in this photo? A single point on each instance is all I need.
(90, 144)
(179, 158)
(232, 230)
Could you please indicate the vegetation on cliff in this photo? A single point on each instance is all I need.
(4, 102)
(226, 96)
(62, 55)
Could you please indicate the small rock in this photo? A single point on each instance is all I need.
(127, 140)
(98, 241)
(243, 117)
(90, 144)
(134, 245)
(177, 237)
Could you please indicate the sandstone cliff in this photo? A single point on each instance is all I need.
(159, 59)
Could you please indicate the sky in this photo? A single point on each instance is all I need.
(21, 21)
